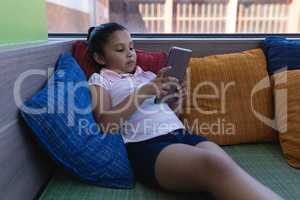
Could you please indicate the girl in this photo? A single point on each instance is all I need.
(161, 150)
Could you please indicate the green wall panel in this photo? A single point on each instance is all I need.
(22, 21)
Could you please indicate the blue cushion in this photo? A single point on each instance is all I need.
(282, 53)
(60, 117)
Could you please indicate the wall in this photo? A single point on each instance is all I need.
(75, 16)
(22, 21)
(63, 19)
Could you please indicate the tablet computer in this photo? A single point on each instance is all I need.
(178, 59)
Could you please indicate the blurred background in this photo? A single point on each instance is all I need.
(176, 16)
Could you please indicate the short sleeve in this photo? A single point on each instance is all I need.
(150, 75)
(97, 79)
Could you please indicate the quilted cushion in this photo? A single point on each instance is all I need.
(282, 53)
(60, 117)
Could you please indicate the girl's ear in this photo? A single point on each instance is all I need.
(99, 59)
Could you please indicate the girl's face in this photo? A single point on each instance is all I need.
(119, 54)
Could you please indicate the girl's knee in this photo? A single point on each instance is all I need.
(217, 165)
(211, 146)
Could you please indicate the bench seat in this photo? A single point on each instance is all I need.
(263, 161)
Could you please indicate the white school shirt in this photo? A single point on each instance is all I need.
(151, 119)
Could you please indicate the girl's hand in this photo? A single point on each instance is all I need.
(180, 95)
(161, 85)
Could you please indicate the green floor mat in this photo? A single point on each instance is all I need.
(263, 161)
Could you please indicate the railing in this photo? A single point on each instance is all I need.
(230, 16)
(200, 17)
(263, 18)
(153, 16)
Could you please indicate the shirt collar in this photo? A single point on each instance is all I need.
(110, 73)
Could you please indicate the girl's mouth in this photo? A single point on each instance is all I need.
(130, 63)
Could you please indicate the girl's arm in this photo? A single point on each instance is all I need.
(109, 117)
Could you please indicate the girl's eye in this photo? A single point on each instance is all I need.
(119, 50)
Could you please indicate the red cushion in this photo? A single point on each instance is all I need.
(149, 61)
(84, 58)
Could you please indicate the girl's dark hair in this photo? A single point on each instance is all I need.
(98, 36)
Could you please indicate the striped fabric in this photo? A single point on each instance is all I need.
(287, 113)
(222, 88)
(263, 161)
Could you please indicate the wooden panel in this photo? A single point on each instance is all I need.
(24, 168)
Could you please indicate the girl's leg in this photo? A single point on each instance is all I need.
(206, 167)
(208, 145)
(241, 179)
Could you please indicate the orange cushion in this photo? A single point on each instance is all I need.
(287, 112)
(219, 98)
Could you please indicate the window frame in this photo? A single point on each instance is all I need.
(183, 36)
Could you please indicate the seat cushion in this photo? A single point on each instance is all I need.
(263, 161)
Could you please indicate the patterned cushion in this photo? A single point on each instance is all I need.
(287, 109)
(282, 53)
(60, 117)
(148, 61)
(224, 102)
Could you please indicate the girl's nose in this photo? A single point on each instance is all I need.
(130, 53)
